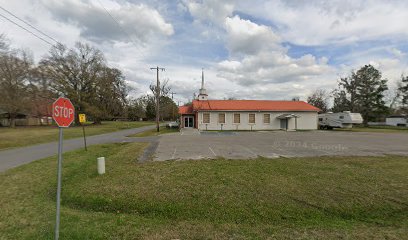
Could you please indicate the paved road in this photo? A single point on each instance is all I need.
(271, 144)
(19, 156)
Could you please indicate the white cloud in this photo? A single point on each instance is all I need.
(139, 21)
(397, 53)
(262, 60)
(212, 11)
(317, 22)
(242, 44)
(246, 37)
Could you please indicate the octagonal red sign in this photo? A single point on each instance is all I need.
(63, 112)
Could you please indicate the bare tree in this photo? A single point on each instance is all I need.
(14, 73)
(75, 73)
(393, 96)
(320, 99)
(164, 88)
(40, 93)
(111, 93)
(3, 43)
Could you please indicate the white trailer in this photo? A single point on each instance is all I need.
(344, 119)
(397, 120)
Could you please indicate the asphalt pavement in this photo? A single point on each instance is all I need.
(192, 144)
(19, 156)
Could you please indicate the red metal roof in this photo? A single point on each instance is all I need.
(186, 109)
(252, 105)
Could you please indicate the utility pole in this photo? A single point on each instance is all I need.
(158, 98)
(172, 106)
(172, 95)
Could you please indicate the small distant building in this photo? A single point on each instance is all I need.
(23, 119)
(204, 114)
(397, 120)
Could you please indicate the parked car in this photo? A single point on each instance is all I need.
(172, 125)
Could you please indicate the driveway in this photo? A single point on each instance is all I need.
(19, 156)
(272, 144)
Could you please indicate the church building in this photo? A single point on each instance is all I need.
(205, 114)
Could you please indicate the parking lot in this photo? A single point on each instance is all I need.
(272, 144)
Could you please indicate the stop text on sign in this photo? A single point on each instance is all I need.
(63, 112)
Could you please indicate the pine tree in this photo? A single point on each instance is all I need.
(404, 89)
(370, 88)
(341, 102)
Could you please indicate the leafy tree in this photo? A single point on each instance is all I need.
(136, 109)
(150, 108)
(319, 99)
(168, 108)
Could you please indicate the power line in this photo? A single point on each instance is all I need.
(122, 29)
(35, 35)
(38, 30)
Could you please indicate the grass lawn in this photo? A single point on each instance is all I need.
(24, 136)
(380, 129)
(153, 132)
(304, 198)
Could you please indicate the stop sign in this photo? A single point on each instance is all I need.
(63, 112)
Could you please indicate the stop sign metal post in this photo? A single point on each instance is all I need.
(63, 113)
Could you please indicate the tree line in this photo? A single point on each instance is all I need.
(364, 91)
(80, 73)
(144, 107)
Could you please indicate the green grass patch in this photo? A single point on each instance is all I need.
(24, 136)
(305, 198)
(153, 132)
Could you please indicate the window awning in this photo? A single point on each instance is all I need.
(287, 115)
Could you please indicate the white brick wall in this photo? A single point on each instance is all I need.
(307, 120)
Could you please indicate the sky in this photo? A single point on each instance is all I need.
(256, 49)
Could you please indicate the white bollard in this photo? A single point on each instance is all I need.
(101, 165)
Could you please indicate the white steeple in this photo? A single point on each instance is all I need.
(203, 92)
(202, 78)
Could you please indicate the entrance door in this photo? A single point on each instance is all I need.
(188, 121)
(283, 123)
